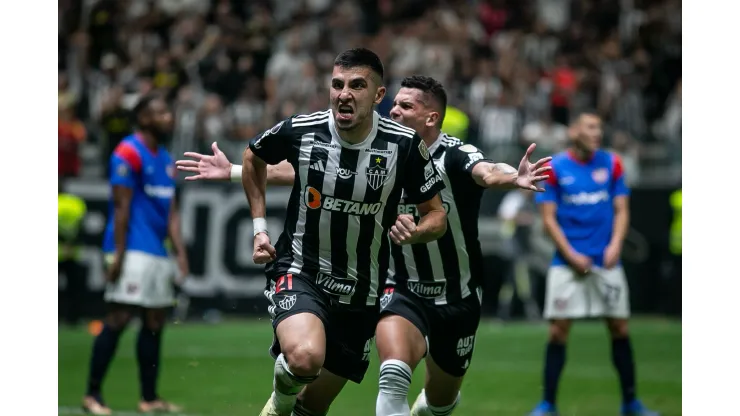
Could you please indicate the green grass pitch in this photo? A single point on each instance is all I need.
(224, 369)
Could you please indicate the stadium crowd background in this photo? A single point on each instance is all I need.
(514, 70)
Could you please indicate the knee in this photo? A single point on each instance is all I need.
(304, 359)
(618, 328)
(153, 323)
(559, 331)
(118, 320)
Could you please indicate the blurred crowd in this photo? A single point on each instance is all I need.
(515, 70)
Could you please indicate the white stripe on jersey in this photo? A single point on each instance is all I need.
(450, 141)
(304, 159)
(330, 181)
(313, 122)
(386, 122)
(305, 117)
(394, 131)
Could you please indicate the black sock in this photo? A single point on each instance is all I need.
(554, 363)
(104, 348)
(147, 353)
(625, 364)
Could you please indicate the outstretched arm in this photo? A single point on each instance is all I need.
(500, 175)
(281, 174)
(217, 167)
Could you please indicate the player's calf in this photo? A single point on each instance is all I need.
(623, 358)
(148, 347)
(441, 393)
(104, 348)
(554, 362)
(400, 347)
(317, 397)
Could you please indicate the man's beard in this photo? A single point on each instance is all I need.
(162, 137)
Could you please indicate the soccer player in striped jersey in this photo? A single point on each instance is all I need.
(330, 262)
(433, 288)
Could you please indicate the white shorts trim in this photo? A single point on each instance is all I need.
(600, 293)
(146, 280)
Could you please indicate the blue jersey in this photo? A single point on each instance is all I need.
(150, 175)
(584, 193)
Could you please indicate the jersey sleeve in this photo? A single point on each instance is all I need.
(619, 186)
(273, 145)
(421, 179)
(464, 158)
(552, 189)
(125, 165)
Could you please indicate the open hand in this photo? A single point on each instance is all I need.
(529, 174)
(209, 168)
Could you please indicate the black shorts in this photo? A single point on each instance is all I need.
(349, 330)
(449, 329)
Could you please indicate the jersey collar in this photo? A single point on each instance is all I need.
(433, 148)
(370, 137)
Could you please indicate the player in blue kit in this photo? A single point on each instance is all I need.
(138, 270)
(585, 211)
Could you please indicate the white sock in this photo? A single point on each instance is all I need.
(286, 386)
(395, 379)
(423, 408)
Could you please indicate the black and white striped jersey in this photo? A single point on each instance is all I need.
(344, 200)
(451, 268)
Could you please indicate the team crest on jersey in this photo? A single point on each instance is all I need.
(386, 298)
(287, 302)
(122, 170)
(423, 150)
(377, 173)
(600, 175)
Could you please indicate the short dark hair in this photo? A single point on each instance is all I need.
(576, 116)
(431, 86)
(360, 57)
(142, 105)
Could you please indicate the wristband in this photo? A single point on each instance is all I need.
(260, 225)
(236, 173)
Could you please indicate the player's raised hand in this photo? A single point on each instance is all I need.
(404, 231)
(264, 252)
(529, 174)
(209, 168)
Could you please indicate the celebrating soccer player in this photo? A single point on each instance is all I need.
(433, 288)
